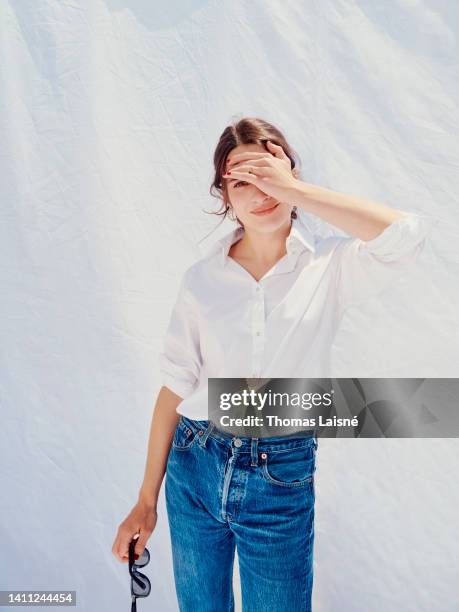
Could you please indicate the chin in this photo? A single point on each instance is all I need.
(270, 223)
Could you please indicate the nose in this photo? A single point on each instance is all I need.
(260, 197)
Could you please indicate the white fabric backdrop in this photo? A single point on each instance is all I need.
(110, 112)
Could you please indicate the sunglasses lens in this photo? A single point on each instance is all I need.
(143, 559)
(141, 587)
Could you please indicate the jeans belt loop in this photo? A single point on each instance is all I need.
(254, 452)
(206, 434)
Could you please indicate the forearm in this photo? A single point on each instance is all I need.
(163, 425)
(358, 217)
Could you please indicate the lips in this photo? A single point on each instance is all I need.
(265, 208)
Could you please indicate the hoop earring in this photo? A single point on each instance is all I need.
(231, 216)
(294, 214)
(229, 212)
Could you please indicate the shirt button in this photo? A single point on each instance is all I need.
(258, 333)
(237, 442)
(258, 289)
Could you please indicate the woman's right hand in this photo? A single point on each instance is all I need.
(140, 521)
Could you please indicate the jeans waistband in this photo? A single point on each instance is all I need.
(244, 443)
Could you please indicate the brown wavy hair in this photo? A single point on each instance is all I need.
(246, 130)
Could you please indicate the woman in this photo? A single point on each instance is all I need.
(264, 302)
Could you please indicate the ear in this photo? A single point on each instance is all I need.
(296, 173)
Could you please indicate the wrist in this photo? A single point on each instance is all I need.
(148, 497)
(301, 195)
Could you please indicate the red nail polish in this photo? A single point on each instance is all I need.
(228, 172)
(136, 556)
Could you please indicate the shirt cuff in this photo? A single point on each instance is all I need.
(180, 387)
(399, 238)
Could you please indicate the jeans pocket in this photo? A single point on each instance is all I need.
(293, 467)
(184, 437)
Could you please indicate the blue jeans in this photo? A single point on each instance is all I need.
(257, 494)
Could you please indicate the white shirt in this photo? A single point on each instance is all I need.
(225, 324)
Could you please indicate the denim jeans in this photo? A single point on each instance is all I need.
(224, 491)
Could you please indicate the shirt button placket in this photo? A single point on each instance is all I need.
(258, 331)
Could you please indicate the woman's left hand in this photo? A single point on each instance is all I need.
(270, 172)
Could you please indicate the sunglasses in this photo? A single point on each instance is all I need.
(140, 585)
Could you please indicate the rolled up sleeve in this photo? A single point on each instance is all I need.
(180, 359)
(366, 268)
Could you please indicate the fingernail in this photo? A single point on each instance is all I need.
(136, 556)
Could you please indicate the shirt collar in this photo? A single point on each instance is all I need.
(299, 239)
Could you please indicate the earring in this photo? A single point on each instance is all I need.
(232, 217)
(294, 214)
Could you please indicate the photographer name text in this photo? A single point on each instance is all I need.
(276, 421)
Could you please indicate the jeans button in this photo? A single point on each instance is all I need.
(200, 432)
(237, 442)
(264, 455)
